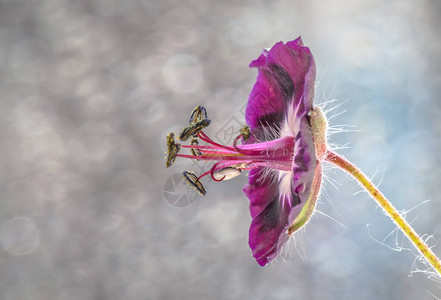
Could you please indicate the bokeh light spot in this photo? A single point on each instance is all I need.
(182, 73)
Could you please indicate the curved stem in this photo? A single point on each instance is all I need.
(387, 206)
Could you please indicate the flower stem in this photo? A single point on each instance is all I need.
(388, 208)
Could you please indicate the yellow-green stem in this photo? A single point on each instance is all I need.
(387, 206)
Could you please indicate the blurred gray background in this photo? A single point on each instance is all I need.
(89, 89)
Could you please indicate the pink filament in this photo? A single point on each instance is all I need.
(277, 154)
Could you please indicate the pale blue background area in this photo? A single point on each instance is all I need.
(89, 89)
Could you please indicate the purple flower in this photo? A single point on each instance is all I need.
(282, 99)
(282, 147)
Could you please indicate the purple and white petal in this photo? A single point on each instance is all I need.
(260, 190)
(268, 233)
(265, 103)
(286, 76)
(280, 101)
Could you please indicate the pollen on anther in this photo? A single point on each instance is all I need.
(172, 150)
(193, 181)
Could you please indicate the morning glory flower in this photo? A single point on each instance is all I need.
(282, 148)
(278, 147)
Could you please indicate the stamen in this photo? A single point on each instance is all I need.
(172, 149)
(227, 173)
(230, 161)
(213, 170)
(205, 138)
(242, 166)
(193, 129)
(195, 151)
(245, 132)
(194, 182)
(199, 113)
(242, 151)
(230, 157)
(239, 166)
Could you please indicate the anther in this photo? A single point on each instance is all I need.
(227, 173)
(172, 149)
(194, 151)
(193, 181)
(193, 129)
(245, 132)
(199, 113)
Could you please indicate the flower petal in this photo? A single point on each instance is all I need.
(293, 67)
(265, 103)
(265, 229)
(260, 190)
(268, 230)
(280, 101)
(286, 75)
(270, 210)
